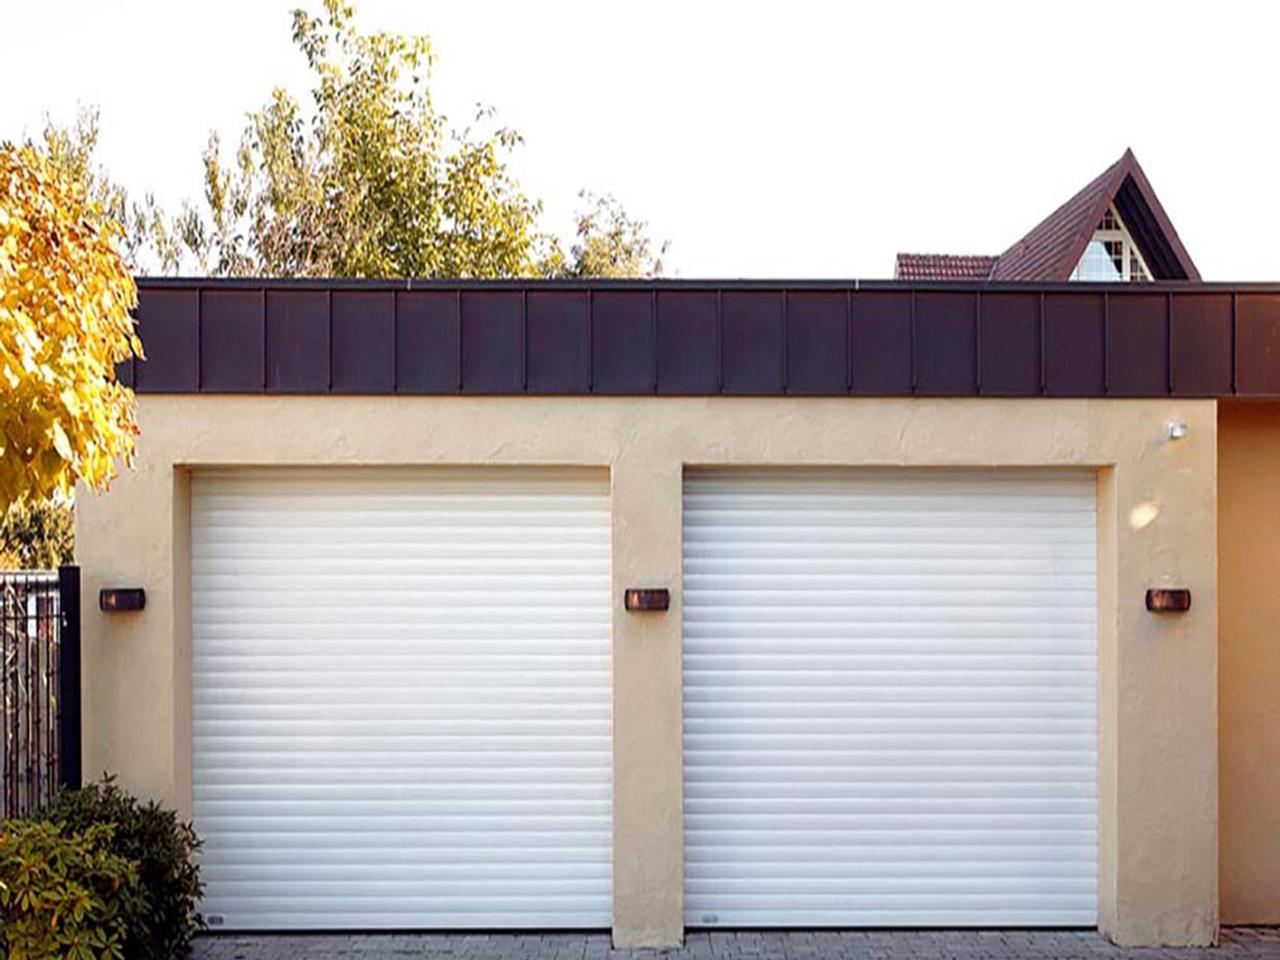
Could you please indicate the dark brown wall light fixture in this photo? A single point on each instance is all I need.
(121, 599)
(638, 600)
(1169, 600)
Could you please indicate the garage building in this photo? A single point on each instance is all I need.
(666, 605)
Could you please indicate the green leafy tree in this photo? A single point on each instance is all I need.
(370, 179)
(611, 243)
(363, 178)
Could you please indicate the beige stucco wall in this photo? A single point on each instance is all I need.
(1158, 680)
(1249, 660)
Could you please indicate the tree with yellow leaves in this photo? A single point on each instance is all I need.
(65, 301)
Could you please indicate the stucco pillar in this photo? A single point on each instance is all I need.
(130, 726)
(1158, 696)
(648, 828)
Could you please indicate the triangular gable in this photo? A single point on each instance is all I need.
(1052, 249)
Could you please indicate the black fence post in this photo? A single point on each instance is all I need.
(69, 773)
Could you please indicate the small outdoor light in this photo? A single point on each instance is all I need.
(121, 599)
(1177, 429)
(640, 600)
(1169, 600)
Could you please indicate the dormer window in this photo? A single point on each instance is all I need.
(1112, 256)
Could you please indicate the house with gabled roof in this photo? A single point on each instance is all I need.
(1114, 230)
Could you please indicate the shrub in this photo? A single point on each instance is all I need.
(164, 849)
(63, 895)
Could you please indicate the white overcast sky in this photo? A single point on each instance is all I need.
(788, 139)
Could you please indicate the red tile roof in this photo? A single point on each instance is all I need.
(1046, 252)
(942, 266)
(1050, 252)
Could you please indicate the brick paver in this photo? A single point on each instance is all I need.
(1238, 943)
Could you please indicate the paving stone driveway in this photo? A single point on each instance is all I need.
(1238, 943)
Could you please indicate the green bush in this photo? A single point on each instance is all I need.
(63, 895)
(164, 849)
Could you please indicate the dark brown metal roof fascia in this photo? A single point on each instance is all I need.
(707, 338)
(193, 283)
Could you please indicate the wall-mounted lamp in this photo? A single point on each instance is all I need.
(1169, 600)
(121, 599)
(642, 600)
(1177, 429)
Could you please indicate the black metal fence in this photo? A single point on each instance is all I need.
(40, 682)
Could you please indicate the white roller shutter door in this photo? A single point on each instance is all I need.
(890, 698)
(402, 697)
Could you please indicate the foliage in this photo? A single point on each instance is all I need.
(65, 297)
(63, 894)
(611, 243)
(151, 240)
(164, 849)
(371, 180)
(37, 536)
(365, 179)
